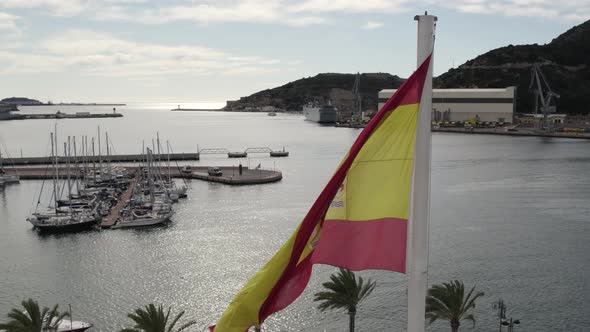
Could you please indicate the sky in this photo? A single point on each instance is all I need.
(218, 50)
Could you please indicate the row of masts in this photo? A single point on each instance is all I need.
(93, 186)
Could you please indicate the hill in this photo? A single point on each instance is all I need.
(20, 101)
(322, 87)
(565, 62)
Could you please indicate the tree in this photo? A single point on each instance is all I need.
(152, 319)
(32, 319)
(344, 291)
(448, 301)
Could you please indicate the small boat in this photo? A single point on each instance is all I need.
(66, 222)
(272, 113)
(279, 153)
(140, 218)
(69, 325)
(73, 326)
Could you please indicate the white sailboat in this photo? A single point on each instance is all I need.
(69, 217)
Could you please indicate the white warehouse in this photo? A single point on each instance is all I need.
(468, 104)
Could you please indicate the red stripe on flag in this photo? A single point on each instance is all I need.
(293, 286)
(358, 245)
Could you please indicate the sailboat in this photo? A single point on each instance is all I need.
(71, 215)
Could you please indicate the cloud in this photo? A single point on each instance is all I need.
(372, 25)
(248, 11)
(56, 7)
(10, 33)
(570, 10)
(98, 54)
(350, 6)
(8, 23)
(296, 13)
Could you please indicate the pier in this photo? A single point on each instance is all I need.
(230, 174)
(244, 154)
(111, 219)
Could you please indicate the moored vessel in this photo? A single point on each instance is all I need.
(325, 114)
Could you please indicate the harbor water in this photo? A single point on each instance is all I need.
(509, 214)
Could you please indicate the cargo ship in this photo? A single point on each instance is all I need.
(320, 113)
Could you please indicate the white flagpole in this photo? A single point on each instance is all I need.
(420, 207)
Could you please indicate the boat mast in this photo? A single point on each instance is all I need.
(85, 157)
(99, 153)
(159, 154)
(54, 155)
(151, 156)
(77, 166)
(142, 162)
(108, 153)
(67, 155)
(93, 162)
(71, 322)
(168, 152)
(150, 180)
(56, 168)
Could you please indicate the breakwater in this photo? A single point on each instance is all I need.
(134, 158)
(59, 115)
(229, 174)
(124, 158)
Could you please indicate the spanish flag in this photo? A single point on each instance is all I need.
(358, 222)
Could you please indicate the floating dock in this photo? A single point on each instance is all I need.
(230, 175)
(244, 154)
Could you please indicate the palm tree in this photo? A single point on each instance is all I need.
(344, 291)
(32, 319)
(152, 319)
(448, 301)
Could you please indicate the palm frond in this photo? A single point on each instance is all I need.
(155, 319)
(343, 291)
(449, 301)
(186, 325)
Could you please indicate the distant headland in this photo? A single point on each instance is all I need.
(22, 101)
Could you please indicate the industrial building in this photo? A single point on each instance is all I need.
(484, 105)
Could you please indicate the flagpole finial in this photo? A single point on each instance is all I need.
(417, 17)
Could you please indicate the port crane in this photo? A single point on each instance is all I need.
(542, 93)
